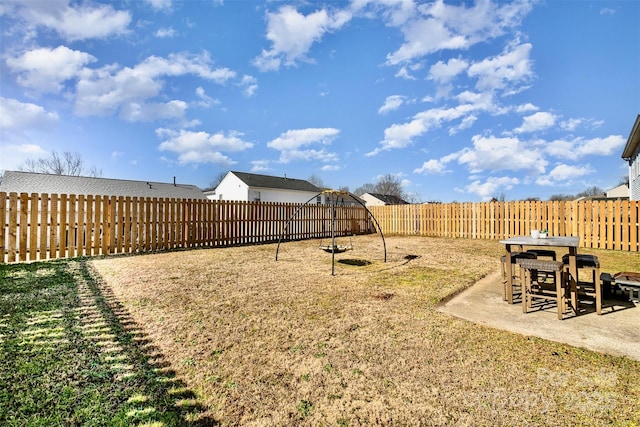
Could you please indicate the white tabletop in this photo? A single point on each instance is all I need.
(569, 242)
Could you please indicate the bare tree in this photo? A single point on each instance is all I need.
(592, 191)
(67, 163)
(624, 180)
(390, 185)
(316, 180)
(365, 188)
(499, 198)
(216, 181)
(560, 197)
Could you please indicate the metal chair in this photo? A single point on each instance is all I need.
(592, 286)
(553, 286)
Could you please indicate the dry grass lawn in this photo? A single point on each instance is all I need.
(286, 343)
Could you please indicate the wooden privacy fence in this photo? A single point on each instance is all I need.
(42, 226)
(610, 224)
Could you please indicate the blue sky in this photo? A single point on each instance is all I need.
(460, 100)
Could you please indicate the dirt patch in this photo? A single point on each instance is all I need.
(267, 342)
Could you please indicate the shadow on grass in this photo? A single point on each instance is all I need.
(70, 354)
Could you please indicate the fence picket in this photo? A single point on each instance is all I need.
(33, 226)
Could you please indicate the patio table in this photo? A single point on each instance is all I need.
(517, 244)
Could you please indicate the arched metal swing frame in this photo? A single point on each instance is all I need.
(334, 194)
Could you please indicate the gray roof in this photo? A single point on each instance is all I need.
(389, 199)
(284, 183)
(30, 182)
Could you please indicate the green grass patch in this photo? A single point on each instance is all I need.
(70, 356)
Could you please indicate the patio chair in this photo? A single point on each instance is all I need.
(592, 287)
(543, 253)
(629, 282)
(551, 286)
(515, 276)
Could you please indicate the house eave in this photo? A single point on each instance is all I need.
(633, 142)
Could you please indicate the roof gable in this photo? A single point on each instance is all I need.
(276, 182)
(30, 182)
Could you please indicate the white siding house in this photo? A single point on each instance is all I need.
(250, 187)
(376, 199)
(619, 192)
(631, 154)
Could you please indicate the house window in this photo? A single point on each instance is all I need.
(318, 199)
(256, 196)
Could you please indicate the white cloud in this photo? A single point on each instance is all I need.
(291, 144)
(490, 153)
(17, 116)
(143, 112)
(205, 100)
(292, 34)
(571, 124)
(392, 103)
(563, 172)
(536, 122)
(402, 135)
(165, 33)
(466, 123)
(438, 26)
(445, 72)
(46, 69)
(580, 147)
(491, 187)
(505, 71)
(249, 85)
(157, 5)
(526, 108)
(202, 147)
(294, 139)
(110, 89)
(15, 155)
(560, 148)
(19, 121)
(77, 22)
(178, 64)
(432, 167)
(600, 146)
(403, 73)
(260, 166)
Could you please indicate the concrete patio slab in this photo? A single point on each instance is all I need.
(615, 332)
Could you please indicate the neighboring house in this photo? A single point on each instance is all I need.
(377, 199)
(251, 187)
(631, 154)
(30, 182)
(619, 192)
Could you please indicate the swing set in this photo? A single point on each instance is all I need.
(333, 197)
